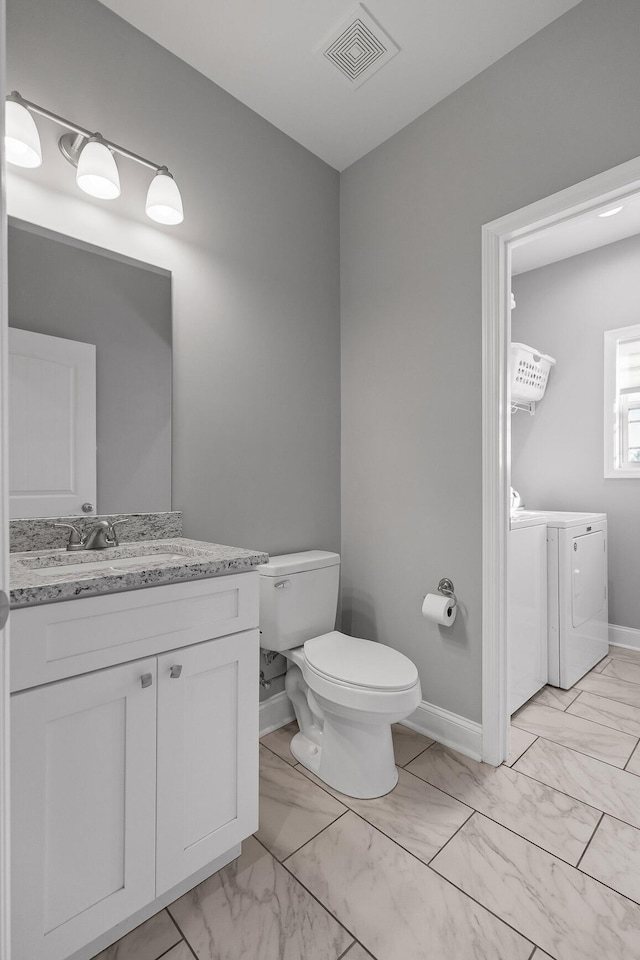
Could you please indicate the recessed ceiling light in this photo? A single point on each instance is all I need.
(611, 213)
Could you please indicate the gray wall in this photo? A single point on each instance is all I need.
(256, 415)
(561, 107)
(62, 290)
(556, 456)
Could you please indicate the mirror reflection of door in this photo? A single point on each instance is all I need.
(52, 425)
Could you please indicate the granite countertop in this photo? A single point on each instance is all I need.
(33, 579)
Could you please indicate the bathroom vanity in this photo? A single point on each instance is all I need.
(134, 734)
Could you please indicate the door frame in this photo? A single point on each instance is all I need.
(498, 239)
(5, 853)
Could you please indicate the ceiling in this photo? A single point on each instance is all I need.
(262, 52)
(568, 239)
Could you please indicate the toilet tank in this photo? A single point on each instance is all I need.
(298, 598)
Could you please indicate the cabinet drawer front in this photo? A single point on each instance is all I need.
(207, 753)
(83, 804)
(57, 640)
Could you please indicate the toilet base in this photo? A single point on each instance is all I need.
(354, 758)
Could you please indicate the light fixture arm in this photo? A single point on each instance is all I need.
(82, 132)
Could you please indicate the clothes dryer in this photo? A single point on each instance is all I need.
(577, 593)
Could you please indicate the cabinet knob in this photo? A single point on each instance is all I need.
(146, 680)
(175, 671)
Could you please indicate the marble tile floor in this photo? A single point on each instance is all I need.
(538, 859)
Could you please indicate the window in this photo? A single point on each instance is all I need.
(622, 403)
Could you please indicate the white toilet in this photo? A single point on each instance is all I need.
(346, 692)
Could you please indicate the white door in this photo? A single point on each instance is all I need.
(207, 753)
(83, 808)
(52, 425)
(589, 576)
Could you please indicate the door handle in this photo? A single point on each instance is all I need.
(146, 680)
(4, 608)
(175, 671)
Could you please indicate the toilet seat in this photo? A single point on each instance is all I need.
(360, 663)
(334, 666)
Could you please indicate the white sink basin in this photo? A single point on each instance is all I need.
(116, 565)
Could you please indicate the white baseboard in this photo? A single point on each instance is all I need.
(624, 636)
(275, 712)
(449, 729)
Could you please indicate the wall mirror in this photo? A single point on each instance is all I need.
(75, 308)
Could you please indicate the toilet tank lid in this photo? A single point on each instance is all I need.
(288, 563)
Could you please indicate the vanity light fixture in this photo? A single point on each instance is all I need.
(612, 212)
(164, 203)
(21, 137)
(97, 172)
(92, 155)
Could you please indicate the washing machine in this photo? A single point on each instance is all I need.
(577, 593)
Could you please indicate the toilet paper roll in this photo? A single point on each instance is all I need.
(439, 609)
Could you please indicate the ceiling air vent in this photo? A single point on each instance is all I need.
(358, 47)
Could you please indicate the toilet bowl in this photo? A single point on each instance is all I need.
(346, 691)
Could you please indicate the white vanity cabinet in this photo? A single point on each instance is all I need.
(130, 782)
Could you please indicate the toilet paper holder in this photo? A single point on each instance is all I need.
(447, 588)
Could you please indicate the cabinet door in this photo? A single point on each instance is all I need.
(207, 753)
(83, 808)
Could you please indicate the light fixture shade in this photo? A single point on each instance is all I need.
(612, 212)
(97, 172)
(21, 138)
(164, 203)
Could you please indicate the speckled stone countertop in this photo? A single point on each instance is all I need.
(33, 581)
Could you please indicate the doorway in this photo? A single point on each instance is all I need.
(499, 239)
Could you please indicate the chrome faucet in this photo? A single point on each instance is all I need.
(102, 534)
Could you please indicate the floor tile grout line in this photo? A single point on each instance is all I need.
(511, 765)
(405, 765)
(612, 676)
(622, 659)
(289, 764)
(392, 839)
(477, 902)
(160, 956)
(589, 841)
(607, 886)
(484, 907)
(425, 865)
(356, 942)
(607, 725)
(465, 821)
(179, 929)
(379, 829)
(317, 834)
(473, 810)
(615, 680)
(350, 947)
(586, 720)
(572, 797)
(581, 752)
(297, 763)
(629, 761)
(519, 835)
(310, 892)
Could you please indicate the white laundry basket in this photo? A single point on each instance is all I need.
(529, 373)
